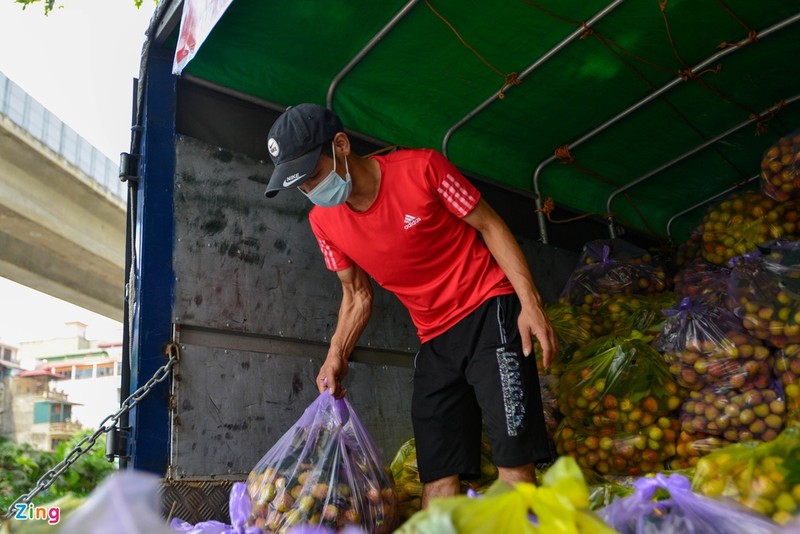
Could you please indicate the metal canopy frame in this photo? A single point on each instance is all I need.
(532, 67)
(706, 201)
(366, 50)
(641, 103)
(706, 144)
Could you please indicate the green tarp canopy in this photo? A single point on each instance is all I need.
(571, 99)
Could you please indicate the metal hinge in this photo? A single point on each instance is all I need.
(129, 167)
(117, 443)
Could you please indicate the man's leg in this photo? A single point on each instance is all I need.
(443, 487)
(521, 473)
(507, 388)
(444, 410)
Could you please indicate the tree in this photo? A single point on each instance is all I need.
(21, 467)
(49, 5)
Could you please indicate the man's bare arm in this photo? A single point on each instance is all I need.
(506, 251)
(354, 313)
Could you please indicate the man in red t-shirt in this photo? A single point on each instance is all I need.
(415, 224)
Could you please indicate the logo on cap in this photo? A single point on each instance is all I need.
(272, 146)
(292, 179)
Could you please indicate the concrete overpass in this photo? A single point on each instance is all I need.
(62, 208)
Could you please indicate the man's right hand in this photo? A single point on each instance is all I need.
(331, 375)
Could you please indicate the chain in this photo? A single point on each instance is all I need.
(173, 352)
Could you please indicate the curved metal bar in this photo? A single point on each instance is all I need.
(652, 96)
(532, 67)
(706, 201)
(685, 155)
(366, 50)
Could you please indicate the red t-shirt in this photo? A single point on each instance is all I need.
(413, 242)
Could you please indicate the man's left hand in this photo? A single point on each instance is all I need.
(533, 322)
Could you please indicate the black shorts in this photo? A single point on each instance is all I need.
(476, 371)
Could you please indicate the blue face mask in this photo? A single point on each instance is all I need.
(333, 190)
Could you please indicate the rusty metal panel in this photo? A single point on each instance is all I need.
(231, 406)
(247, 263)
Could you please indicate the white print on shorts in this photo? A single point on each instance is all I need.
(511, 383)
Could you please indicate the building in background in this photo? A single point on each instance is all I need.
(51, 389)
(9, 365)
(35, 413)
(91, 372)
(9, 370)
(30, 353)
(91, 380)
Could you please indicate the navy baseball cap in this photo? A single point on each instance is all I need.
(295, 142)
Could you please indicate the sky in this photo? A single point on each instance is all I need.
(79, 62)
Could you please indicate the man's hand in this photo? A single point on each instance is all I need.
(331, 375)
(533, 322)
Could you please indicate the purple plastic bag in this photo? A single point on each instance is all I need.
(680, 512)
(612, 267)
(707, 348)
(612, 250)
(326, 471)
(702, 282)
(780, 168)
(764, 291)
(204, 527)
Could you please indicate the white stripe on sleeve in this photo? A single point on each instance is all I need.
(327, 253)
(456, 196)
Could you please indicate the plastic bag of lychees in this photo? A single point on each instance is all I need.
(764, 292)
(706, 346)
(761, 476)
(780, 168)
(610, 452)
(617, 382)
(325, 471)
(612, 267)
(702, 282)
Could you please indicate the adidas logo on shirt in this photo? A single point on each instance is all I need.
(410, 221)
